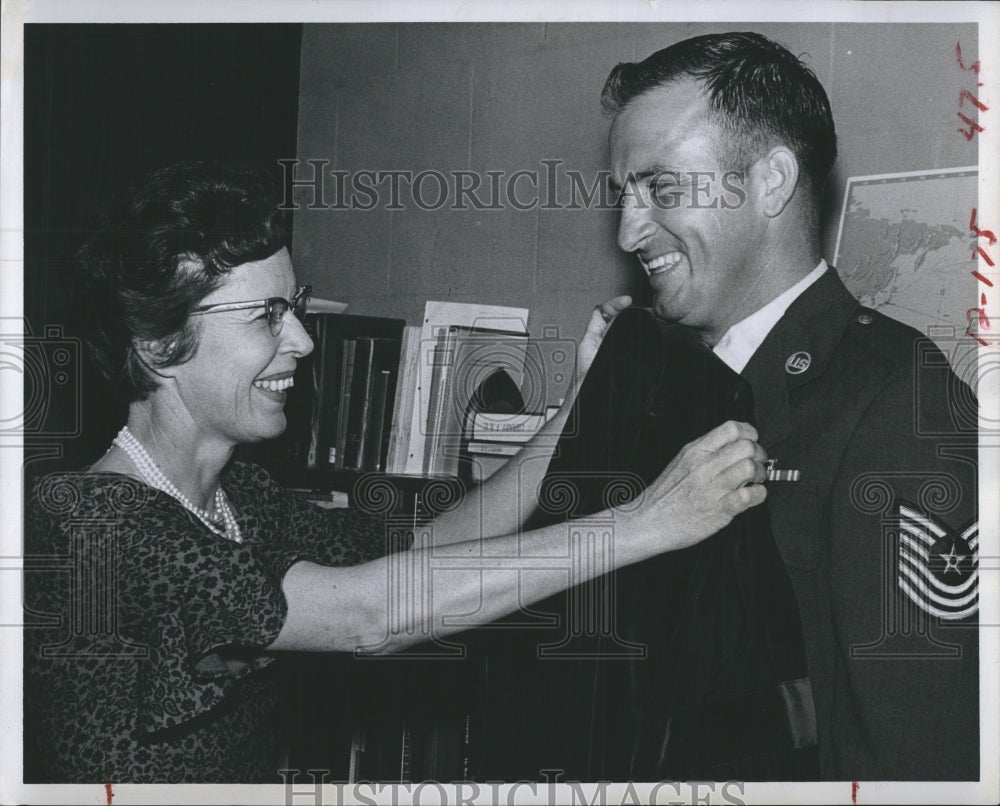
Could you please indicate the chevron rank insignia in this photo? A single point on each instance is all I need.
(938, 570)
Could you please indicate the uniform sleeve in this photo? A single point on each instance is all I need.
(904, 577)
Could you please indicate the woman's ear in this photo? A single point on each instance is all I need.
(155, 355)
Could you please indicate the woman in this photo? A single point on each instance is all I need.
(190, 571)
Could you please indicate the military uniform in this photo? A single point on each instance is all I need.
(689, 665)
(878, 533)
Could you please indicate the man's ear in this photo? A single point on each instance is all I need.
(781, 176)
(155, 354)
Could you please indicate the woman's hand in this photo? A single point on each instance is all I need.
(713, 479)
(600, 320)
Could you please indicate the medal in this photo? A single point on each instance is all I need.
(773, 474)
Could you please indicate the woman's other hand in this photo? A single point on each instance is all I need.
(600, 320)
(713, 479)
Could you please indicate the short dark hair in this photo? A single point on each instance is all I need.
(761, 93)
(163, 246)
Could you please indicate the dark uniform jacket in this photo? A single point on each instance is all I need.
(879, 534)
(688, 665)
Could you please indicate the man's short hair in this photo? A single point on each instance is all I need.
(761, 94)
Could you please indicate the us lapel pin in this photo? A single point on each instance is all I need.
(797, 363)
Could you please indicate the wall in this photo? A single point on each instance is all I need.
(504, 97)
(104, 104)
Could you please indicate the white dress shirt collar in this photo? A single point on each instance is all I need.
(740, 342)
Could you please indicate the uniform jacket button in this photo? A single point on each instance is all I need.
(865, 319)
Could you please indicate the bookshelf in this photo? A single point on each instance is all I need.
(385, 413)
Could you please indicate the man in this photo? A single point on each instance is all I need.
(720, 146)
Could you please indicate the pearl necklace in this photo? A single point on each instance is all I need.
(155, 477)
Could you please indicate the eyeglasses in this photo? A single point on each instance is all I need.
(275, 307)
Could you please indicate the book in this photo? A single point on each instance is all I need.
(505, 427)
(464, 359)
(404, 399)
(495, 448)
(375, 444)
(331, 362)
(360, 402)
(338, 446)
(367, 386)
(373, 381)
(484, 319)
(443, 361)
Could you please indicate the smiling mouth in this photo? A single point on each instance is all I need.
(661, 264)
(277, 385)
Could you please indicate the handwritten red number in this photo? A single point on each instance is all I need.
(972, 131)
(980, 233)
(982, 320)
(972, 99)
(973, 127)
(979, 314)
(958, 54)
(985, 256)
